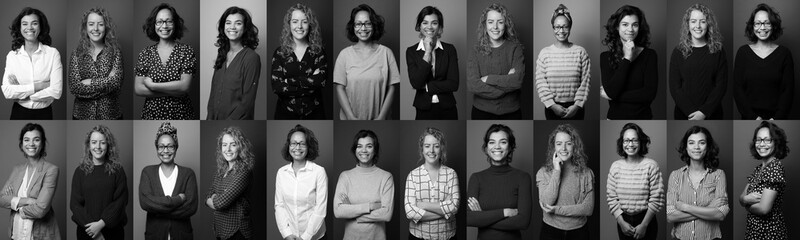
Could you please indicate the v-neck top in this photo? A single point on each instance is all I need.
(234, 87)
(100, 99)
(763, 86)
(366, 79)
(294, 80)
(182, 60)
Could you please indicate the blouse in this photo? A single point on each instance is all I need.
(771, 226)
(233, 87)
(100, 99)
(500, 93)
(634, 188)
(231, 206)
(444, 190)
(563, 75)
(366, 80)
(434, 81)
(698, 82)
(42, 67)
(363, 186)
(182, 60)
(299, 82)
(632, 86)
(301, 201)
(99, 196)
(711, 187)
(764, 87)
(570, 192)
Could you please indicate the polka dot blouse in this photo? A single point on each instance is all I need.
(771, 226)
(182, 60)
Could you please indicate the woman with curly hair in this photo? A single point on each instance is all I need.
(96, 71)
(99, 189)
(300, 67)
(698, 69)
(496, 67)
(236, 69)
(33, 75)
(629, 69)
(766, 186)
(566, 186)
(228, 194)
(697, 201)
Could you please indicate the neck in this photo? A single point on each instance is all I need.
(236, 45)
(633, 158)
(98, 45)
(767, 160)
(366, 165)
(563, 44)
(31, 45)
(165, 43)
(168, 166)
(298, 43)
(231, 164)
(365, 43)
(299, 163)
(697, 165)
(698, 42)
(763, 43)
(499, 163)
(98, 162)
(497, 43)
(33, 161)
(432, 166)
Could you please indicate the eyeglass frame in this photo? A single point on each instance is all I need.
(362, 25)
(162, 23)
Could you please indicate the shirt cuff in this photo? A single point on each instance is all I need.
(15, 203)
(548, 103)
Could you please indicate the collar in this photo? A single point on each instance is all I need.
(308, 167)
(686, 169)
(421, 45)
(39, 49)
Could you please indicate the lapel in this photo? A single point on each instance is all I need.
(37, 177)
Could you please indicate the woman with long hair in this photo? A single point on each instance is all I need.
(766, 186)
(228, 195)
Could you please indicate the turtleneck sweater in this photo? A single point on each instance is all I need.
(497, 188)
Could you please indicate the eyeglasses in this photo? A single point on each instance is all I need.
(763, 140)
(166, 147)
(364, 25)
(168, 23)
(764, 24)
(562, 28)
(630, 141)
(298, 144)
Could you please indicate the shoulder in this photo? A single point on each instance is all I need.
(719, 172)
(151, 169)
(578, 48)
(617, 164)
(649, 162)
(677, 172)
(48, 167)
(784, 51)
(520, 174)
(649, 52)
(250, 55)
(383, 173)
(147, 49)
(182, 169)
(448, 47)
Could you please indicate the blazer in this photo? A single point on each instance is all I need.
(443, 83)
(42, 188)
(168, 214)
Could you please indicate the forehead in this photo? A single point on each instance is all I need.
(498, 135)
(562, 136)
(697, 136)
(630, 133)
(166, 138)
(560, 20)
(234, 17)
(164, 14)
(494, 15)
(97, 136)
(430, 18)
(762, 15)
(298, 136)
(32, 134)
(365, 140)
(630, 18)
(430, 139)
(227, 138)
(297, 14)
(362, 16)
(763, 132)
(30, 18)
(697, 14)
(94, 17)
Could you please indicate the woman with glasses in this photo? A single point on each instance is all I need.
(164, 70)
(301, 188)
(366, 73)
(562, 72)
(229, 192)
(766, 186)
(763, 74)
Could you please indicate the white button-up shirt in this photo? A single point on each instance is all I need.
(43, 66)
(301, 201)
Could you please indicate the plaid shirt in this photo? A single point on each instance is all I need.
(420, 188)
(232, 209)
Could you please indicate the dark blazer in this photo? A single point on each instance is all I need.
(42, 188)
(443, 84)
(168, 214)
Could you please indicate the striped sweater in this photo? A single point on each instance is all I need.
(634, 187)
(562, 75)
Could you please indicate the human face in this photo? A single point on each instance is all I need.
(98, 146)
(761, 25)
(561, 28)
(234, 26)
(29, 27)
(363, 26)
(431, 149)
(230, 149)
(495, 25)
(696, 146)
(763, 148)
(698, 25)
(95, 27)
(563, 146)
(299, 25)
(298, 147)
(166, 149)
(32, 143)
(429, 27)
(365, 150)
(630, 142)
(628, 28)
(497, 147)
(164, 24)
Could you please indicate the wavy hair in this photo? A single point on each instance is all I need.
(778, 136)
(644, 140)
(711, 158)
(774, 19)
(314, 36)
(249, 37)
(246, 157)
(111, 161)
(612, 39)
(312, 151)
(579, 157)
(713, 35)
(440, 136)
(34, 127)
(484, 44)
(149, 26)
(16, 26)
(109, 38)
(512, 141)
(378, 23)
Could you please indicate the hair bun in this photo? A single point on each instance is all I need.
(166, 128)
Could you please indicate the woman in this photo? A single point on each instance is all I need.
(698, 69)
(237, 68)
(763, 195)
(29, 190)
(364, 195)
(697, 201)
(32, 84)
(164, 70)
(562, 72)
(495, 69)
(566, 187)
(301, 188)
(228, 195)
(763, 73)
(634, 189)
(629, 68)
(96, 70)
(99, 189)
(500, 196)
(366, 72)
(432, 196)
(167, 191)
(434, 74)
(300, 67)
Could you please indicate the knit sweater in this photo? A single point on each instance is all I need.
(764, 86)
(500, 93)
(634, 187)
(698, 82)
(562, 75)
(362, 186)
(571, 193)
(632, 86)
(496, 188)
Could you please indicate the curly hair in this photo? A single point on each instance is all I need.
(377, 23)
(149, 26)
(484, 44)
(713, 35)
(579, 156)
(644, 140)
(512, 141)
(440, 136)
(430, 10)
(111, 160)
(376, 146)
(612, 39)
(711, 158)
(246, 157)
(249, 37)
(314, 35)
(167, 129)
(774, 20)
(779, 141)
(561, 10)
(34, 127)
(16, 26)
(312, 151)
(109, 38)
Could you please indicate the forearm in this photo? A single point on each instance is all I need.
(173, 88)
(548, 194)
(387, 102)
(344, 102)
(678, 216)
(706, 213)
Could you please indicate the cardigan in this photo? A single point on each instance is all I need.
(99, 195)
(500, 93)
(763, 87)
(698, 82)
(632, 86)
(168, 214)
(442, 83)
(234, 87)
(42, 188)
(496, 188)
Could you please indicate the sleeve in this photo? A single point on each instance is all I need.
(240, 182)
(419, 71)
(151, 201)
(510, 82)
(189, 207)
(720, 85)
(7, 198)
(452, 197)
(775, 177)
(787, 88)
(77, 202)
(340, 69)
(672, 191)
(320, 206)
(656, 200)
(583, 90)
(141, 69)
(413, 212)
(251, 71)
(683, 102)
(586, 206)
(483, 218)
(474, 83)
(451, 78)
(342, 210)
(548, 185)
(394, 71)
(188, 65)
(647, 93)
(721, 192)
(99, 86)
(611, 192)
(14, 91)
(383, 214)
(114, 213)
(546, 95)
(56, 79)
(43, 201)
(281, 214)
(740, 86)
(614, 80)
(524, 203)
